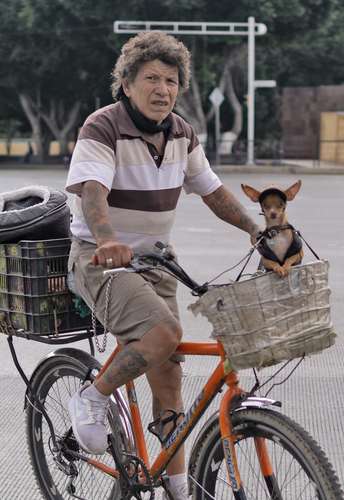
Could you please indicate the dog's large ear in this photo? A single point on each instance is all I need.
(252, 193)
(292, 191)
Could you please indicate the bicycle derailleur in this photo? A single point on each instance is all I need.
(65, 456)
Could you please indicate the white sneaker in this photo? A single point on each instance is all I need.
(178, 493)
(89, 421)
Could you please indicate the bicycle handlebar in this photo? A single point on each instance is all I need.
(148, 261)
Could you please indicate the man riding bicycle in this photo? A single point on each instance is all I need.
(130, 162)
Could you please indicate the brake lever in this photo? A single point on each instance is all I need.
(135, 266)
(138, 266)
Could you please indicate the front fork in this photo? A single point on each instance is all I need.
(229, 439)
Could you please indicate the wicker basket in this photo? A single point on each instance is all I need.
(265, 319)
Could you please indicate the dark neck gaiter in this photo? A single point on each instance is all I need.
(146, 124)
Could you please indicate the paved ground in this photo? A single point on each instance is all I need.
(313, 396)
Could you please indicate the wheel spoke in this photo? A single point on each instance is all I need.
(254, 468)
(300, 469)
(56, 385)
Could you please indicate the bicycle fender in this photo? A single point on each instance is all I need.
(257, 402)
(83, 357)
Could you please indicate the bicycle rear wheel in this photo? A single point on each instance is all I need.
(54, 383)
(301, 468)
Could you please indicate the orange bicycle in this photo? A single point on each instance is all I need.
(247, 450)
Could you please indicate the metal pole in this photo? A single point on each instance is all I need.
(250, 91)
(217, 134)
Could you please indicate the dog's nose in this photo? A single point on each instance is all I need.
(273, 215)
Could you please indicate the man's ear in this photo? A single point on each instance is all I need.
(292, 191)
(252, 193)
(125, 87)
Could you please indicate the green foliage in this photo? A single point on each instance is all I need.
(65, 49)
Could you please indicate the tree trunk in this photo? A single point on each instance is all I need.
(189, 105)
(61, 122)
(34, 117)
(227, 88)
(234, 102)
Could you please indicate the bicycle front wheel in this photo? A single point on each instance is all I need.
(54, 383)
(300, 467)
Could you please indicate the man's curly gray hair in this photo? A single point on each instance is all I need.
(148, 46)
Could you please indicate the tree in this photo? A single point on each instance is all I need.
(11, 118)
(222, 61)
(59, 69)
(50, 68)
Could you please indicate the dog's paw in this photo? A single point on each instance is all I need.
(279, 270)
(286, 270)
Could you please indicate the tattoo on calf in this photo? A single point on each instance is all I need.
(156, 408)
(127, 365)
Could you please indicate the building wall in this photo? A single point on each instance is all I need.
(301, 117)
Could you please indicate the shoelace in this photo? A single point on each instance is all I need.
(97, 410)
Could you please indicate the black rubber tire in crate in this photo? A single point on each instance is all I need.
(33, 287)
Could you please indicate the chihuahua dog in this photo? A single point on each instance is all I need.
(280, 245)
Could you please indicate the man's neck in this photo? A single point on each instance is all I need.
(158, 140)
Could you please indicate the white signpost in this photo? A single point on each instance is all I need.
(216, 97)
(251, 29)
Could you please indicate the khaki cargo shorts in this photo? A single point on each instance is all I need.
(138, 302)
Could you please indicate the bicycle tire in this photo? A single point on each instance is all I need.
(301, 468)
(54, 382)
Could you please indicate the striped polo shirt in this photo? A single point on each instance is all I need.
(143, 192)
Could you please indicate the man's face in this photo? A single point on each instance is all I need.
(154, 90)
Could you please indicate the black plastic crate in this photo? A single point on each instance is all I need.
(34, 267)
(33, 287)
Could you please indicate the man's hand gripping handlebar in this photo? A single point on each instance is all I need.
(163, 260)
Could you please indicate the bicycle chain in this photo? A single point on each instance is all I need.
(135, 488)
(102, 348)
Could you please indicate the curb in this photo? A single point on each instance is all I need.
(34, 166)
(223, 169)
(278, 169)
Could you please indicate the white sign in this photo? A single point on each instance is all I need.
(216, 97)
(264, 83)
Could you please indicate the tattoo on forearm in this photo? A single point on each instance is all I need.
(95, 209)
(228, 208)
(127, 365)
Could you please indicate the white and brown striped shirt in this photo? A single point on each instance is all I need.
(143, 188)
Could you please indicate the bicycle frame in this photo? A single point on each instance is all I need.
(222, 375)
(233, 399)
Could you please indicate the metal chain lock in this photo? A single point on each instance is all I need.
(102, 347)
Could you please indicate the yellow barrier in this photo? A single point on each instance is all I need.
(20, 147)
